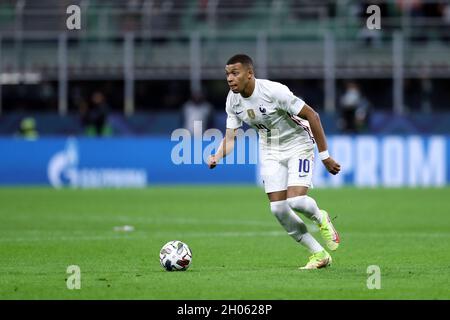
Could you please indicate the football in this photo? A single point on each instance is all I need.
(175, 256)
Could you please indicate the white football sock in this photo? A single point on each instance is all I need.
(307, 206)
(309, 242)
(294, 226)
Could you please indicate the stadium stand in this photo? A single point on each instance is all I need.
(293, 41)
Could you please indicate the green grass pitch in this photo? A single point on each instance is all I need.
(239, 249)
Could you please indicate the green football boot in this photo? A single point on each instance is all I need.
(318, 260)
(328, 232)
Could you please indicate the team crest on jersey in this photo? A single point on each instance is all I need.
(251, 113)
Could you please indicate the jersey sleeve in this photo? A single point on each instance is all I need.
(233, 122)
(287, 101)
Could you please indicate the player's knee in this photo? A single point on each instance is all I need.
(298, 203)
(279, 208)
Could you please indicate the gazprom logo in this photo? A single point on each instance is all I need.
(64, 170)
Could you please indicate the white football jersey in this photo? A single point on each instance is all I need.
(272, 110)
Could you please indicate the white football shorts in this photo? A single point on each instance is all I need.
(280, 170)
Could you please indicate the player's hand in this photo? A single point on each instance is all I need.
(212, 161)
(332, 166)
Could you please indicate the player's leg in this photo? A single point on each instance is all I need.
(292, 223)
(274, 176)
(299, 180)
(321, 258)
(300, 170)
(299, 200)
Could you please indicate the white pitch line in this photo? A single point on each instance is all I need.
(68, 238)
(226, 234)
(154, 220)
(148, 235)
(133, 236)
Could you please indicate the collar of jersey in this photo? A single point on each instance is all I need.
(253, 93)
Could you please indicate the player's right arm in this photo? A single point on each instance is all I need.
(225, 147)
(227, 144)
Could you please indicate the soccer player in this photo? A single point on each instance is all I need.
(288, 129)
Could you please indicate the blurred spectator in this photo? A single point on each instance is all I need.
(197, 109)
(354, 109)
(426, 86)
(47, 96)
(174, 95)
(94, 116)
(28, 129)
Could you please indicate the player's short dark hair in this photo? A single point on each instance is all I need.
(241, 58)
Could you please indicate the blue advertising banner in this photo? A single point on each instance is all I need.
(388, 161)
(94, 163)
(367, 161)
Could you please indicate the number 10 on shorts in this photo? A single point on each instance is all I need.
(303, 166)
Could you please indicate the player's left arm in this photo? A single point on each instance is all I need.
(313, 118)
